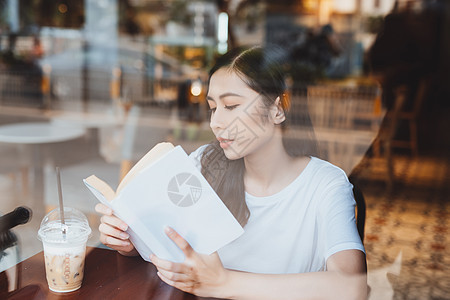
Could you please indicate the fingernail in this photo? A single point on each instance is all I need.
(125, 243)
(168, 230)
(109, 211)
(124, 227)
(124, 235)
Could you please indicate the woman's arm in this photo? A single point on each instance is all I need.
(344, 279)
(204, 275)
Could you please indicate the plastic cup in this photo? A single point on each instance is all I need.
(64, 253)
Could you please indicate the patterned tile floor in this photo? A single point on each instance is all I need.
(406, 237)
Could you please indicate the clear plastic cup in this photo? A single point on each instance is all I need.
(64, 253)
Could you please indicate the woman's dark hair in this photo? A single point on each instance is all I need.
(262, 70)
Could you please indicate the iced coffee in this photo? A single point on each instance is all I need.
(64, 249)
(64, 268)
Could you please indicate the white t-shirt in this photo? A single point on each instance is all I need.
(297, 229)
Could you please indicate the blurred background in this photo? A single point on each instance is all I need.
(90, 86)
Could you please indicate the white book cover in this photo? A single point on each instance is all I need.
(170, 191)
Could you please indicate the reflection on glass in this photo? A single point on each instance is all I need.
(134, 74)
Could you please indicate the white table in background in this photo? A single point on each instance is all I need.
(35, 135)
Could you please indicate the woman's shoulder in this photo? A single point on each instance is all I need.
(331, 185)
(326, 172)
(196, 155)
(322, 165)
(199, 151)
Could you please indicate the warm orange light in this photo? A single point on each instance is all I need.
(62, 8)
(310, 5)
(325, 9)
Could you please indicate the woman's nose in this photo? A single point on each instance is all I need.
(217, 121)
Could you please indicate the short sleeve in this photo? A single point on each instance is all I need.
(196, 156)
(337, 214)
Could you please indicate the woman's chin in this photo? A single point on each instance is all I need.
(231, 154)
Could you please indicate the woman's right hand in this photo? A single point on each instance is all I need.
(112, 231)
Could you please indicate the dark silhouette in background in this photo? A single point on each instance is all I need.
(407, 60)
(405, 51)
(310, 58)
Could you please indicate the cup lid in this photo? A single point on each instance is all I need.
(76, 225)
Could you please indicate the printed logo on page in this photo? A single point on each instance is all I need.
(184, 189)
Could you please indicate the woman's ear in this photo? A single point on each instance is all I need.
(279, 116)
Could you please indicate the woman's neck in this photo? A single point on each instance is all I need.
(271, 169)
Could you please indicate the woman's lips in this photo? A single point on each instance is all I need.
(225, 143)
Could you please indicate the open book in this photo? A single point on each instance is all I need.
(165, 188)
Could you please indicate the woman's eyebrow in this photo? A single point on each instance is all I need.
(224, 96)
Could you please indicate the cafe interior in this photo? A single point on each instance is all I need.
(89, 87)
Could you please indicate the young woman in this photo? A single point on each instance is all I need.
(300, 239)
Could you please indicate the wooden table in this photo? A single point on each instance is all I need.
(108, 275)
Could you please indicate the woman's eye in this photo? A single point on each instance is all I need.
(212, 109)
(231, 107)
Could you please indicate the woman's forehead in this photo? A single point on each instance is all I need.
(226, 73)
(225, 80)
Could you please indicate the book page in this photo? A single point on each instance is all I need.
(172, 192)
(153, 155)
(101, 190)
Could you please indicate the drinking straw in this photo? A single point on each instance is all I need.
(61, 205)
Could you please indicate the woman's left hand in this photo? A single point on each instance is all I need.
(199, 274)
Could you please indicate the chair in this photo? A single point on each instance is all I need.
(345, 120)
(411, 116)
(360, 211)
(386, 136)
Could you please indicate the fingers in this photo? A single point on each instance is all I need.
(111, 236)
(179, 241)
(114, 233)
(177, 275)
(112, 230)
(113, 242)
(114, 222)
(166, 265)
(125, 250)
(103, 209)
(187, 287)
(173, 276)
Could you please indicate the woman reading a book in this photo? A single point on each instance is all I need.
(300, 239)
